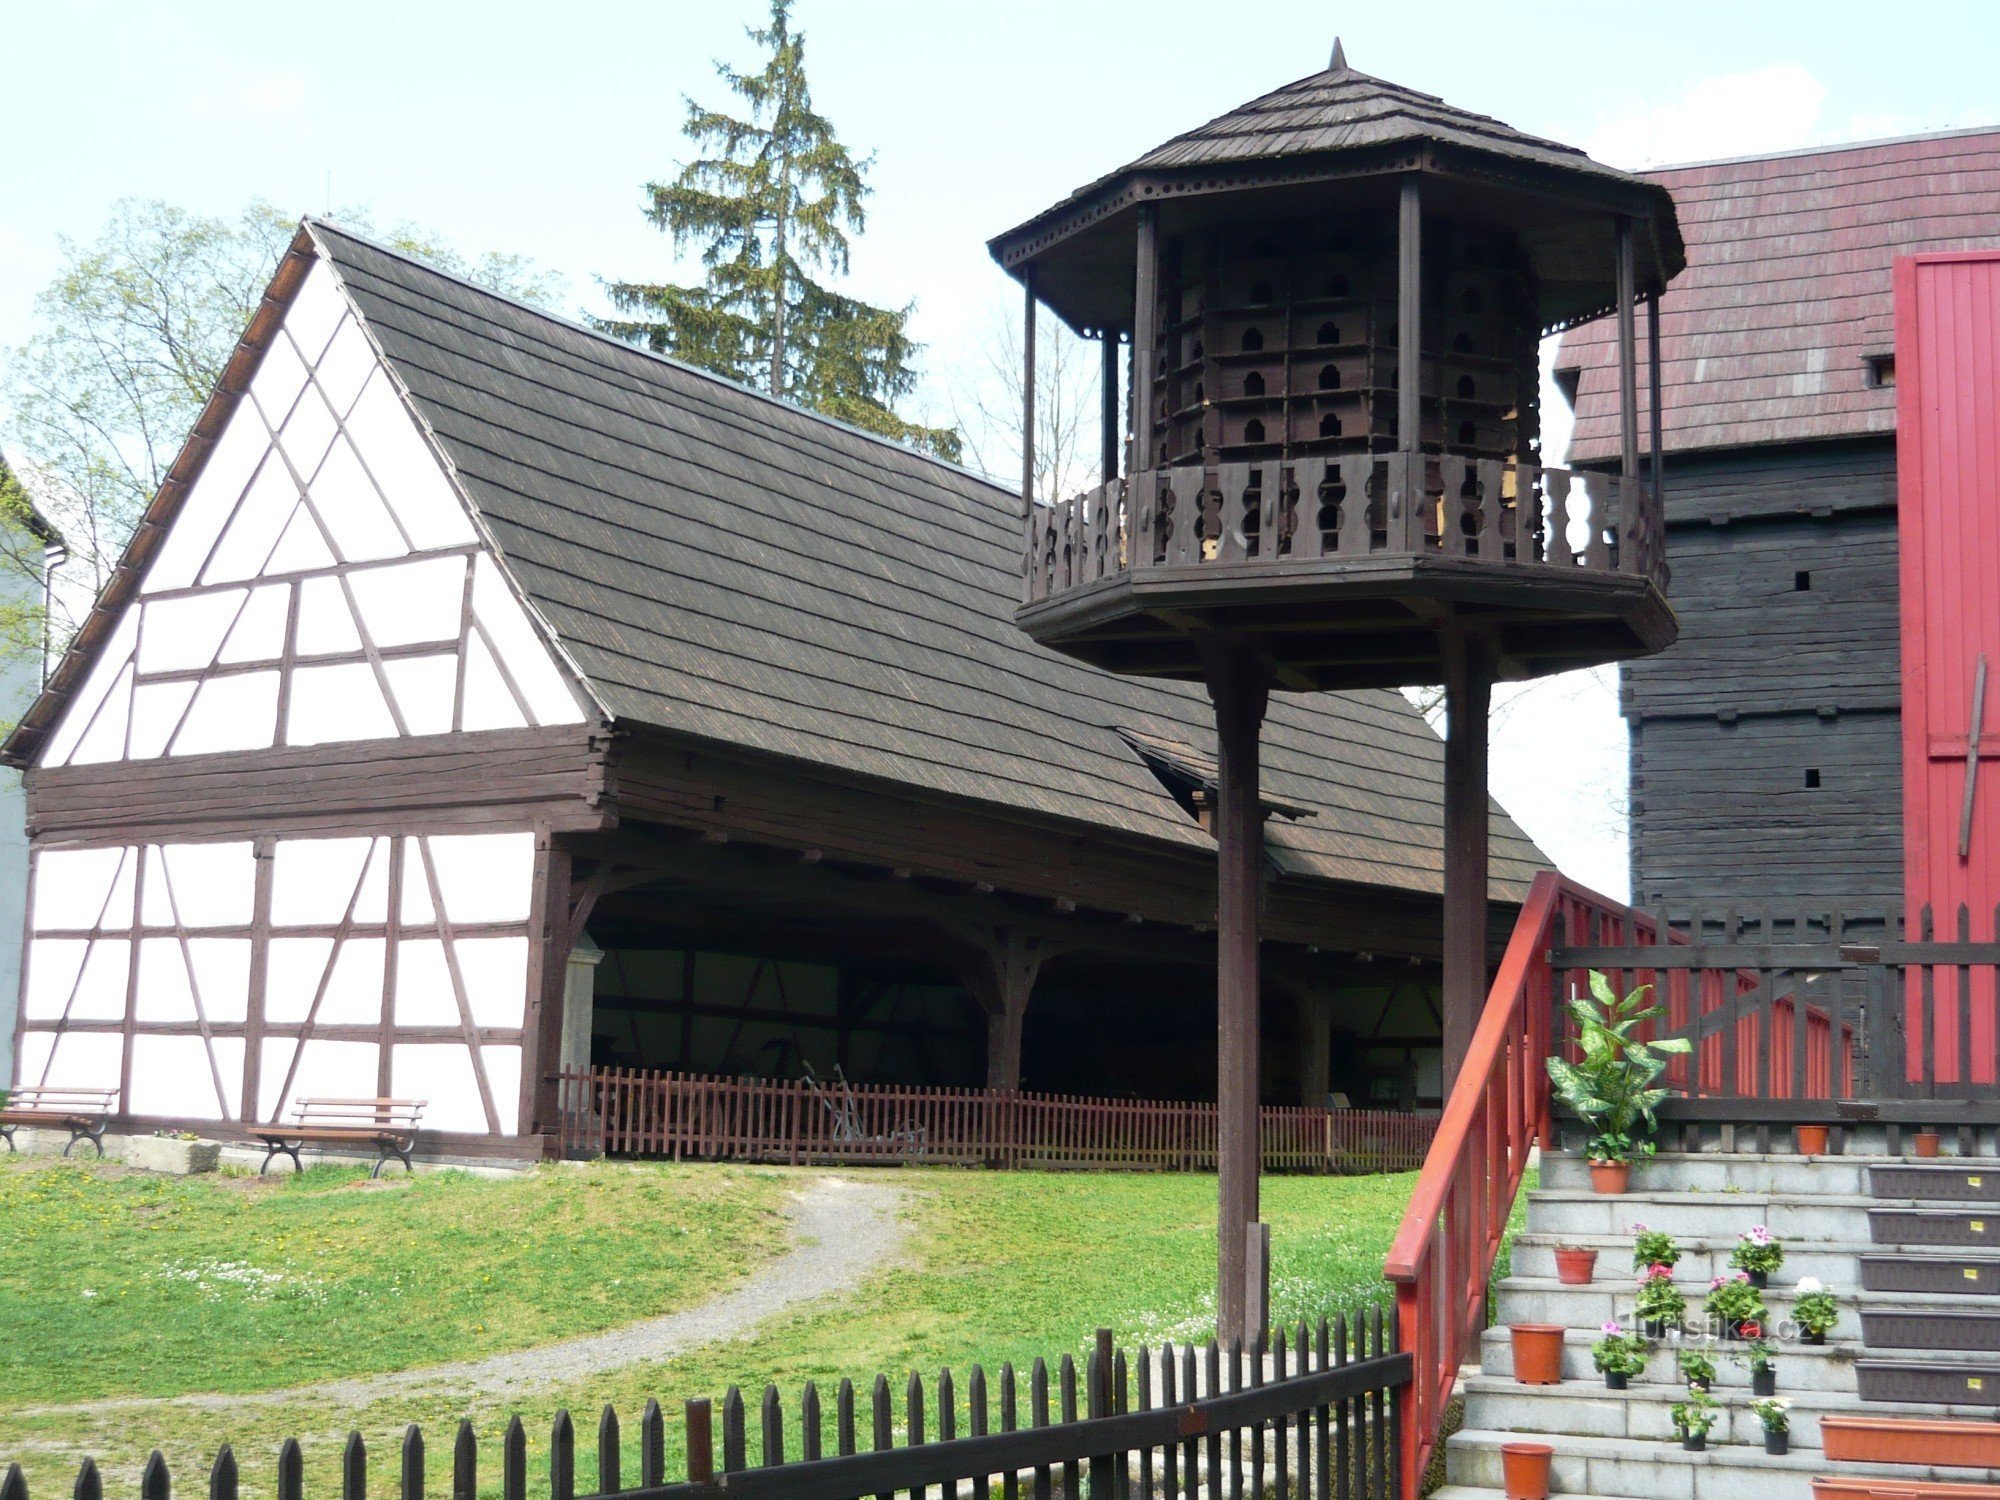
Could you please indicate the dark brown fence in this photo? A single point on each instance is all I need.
(1312, 1415)
(693, 1117)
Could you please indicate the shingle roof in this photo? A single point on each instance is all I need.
(1788, 289)
(722, 565)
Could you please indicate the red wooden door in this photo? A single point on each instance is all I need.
(1948, 501)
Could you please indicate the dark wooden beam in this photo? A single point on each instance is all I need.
(1409, 316)
(1239, 683)
(1468, 693)
(1628, 364)
(1145, 307)
(1107, 410)
(1028, 392)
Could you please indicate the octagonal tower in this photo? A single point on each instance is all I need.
(1327, 470)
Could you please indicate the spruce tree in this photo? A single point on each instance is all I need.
(770, 202)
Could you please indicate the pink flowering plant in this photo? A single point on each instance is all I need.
(1757, 1249)
(1653, 1247)
(1618, 1352)
(1733, 1301)
(1659, 1300)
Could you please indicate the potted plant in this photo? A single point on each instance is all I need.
(1763, 1361)
(1815, 1309)
(1927, 1142)
(1736, 1306)
(1773, 1412)
(1660, 1304)
(1693, 1417)
(1611, 1086)
(1538, 1352)
(1811, 1139)
(1575, 1264)
(1653, 1247)
(1618, 1355)
(1697, 1369)
(1758, 1252)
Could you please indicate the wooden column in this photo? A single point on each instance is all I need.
(1108, 407)
(548, 972)
(1409, 317)
(1028, 394)
(1468, 689)
(1145, 305)
(1656, 472)
(1239, 684)
(1628, 362)
(1315, 1047)
(1001, 976)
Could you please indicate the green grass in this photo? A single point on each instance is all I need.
(128, 1284)
(998, 1267)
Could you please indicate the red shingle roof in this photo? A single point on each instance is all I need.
(1765, 336)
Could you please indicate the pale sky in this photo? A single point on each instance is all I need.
(531, 128)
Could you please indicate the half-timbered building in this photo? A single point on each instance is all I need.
(1766, 746)
(481, 696)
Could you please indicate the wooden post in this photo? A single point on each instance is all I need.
(1468, 689)
(1239, 683)
(1108, 406)
(1628, 363)
(1409, 319)
(1001, 976)
(1315, 1048)
(1256, 1286)
(1145, 304)
(1028, 394)
(1657, 470)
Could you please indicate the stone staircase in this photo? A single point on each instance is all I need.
(1935, 1345)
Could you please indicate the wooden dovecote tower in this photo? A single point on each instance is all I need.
(1329, 474)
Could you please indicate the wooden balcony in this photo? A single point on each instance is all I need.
(1346, 568)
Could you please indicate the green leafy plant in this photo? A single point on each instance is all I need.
(1694, 1416)
(1619, 1352)
(1816, 1308)
(1760, 1355)
(1653, 1247)
(1696, 1368)
(1774, 1412)
(1733, 1301)
(1659, 1300)
(1612, 1088)
(1757, 1249)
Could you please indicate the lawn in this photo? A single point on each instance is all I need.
(999, 1266)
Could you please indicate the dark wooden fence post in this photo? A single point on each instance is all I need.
(514, 1462)
(465, 1464)
(14, 1486)
(291, 1471)
(652, 1446)
(1097, 1403)
(89, 1484)
(155, 1483)
(222, 1475)
(354, 1469)
(700, 1442)
(608, 1457)
(413, 1463)
(562, 1457)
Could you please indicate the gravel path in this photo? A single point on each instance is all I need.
(842, 1229)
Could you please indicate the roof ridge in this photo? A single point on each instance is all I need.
(317, 223)
(1826, 149)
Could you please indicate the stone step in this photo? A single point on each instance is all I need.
(1604, 1466)
(1534, 1299)
(1677, 1171)
(1841, 1218)
(1837, 1263)
(1645, 1410)
(1826, 1367)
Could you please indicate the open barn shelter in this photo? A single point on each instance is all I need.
(481, 697)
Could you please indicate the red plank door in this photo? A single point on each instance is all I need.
(1948, 501)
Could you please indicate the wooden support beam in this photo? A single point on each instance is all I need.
(1628, 362)
(1109, 426)
(1028, 393)
(1239, 683)
(1000, 974)
(1468, 693)
(1409, 317)
(1145, 307)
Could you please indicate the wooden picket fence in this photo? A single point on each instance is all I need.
(696, 1117)
(1312, 1414)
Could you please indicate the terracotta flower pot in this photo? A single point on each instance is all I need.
(1575, 1267)
(1927, 1142)
(1911, 1440)
(1525, 1470)
(1538, 1352)
(1610, 1176)
(1811, 1139)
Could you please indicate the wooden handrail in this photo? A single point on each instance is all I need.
(1444, 1252)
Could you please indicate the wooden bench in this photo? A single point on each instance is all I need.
(82, 1112)
(389, 1125)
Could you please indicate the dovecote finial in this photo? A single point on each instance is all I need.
(1339, 63)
